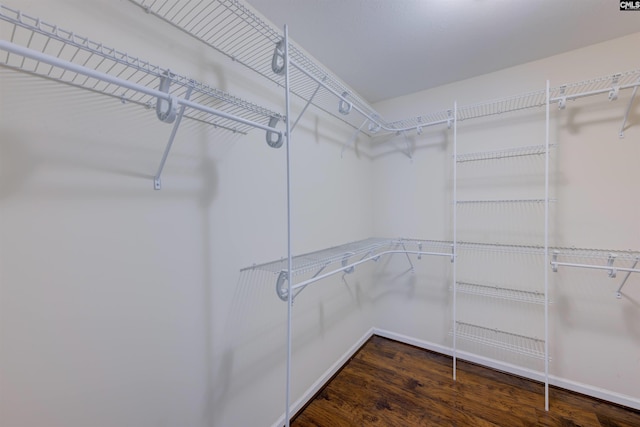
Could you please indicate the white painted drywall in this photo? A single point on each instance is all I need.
(121, 305)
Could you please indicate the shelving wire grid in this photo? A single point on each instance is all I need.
(313, 261)
(49, 39)
(231, 28)
(520, 344)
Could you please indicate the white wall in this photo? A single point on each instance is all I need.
(121, 305)
(594, 339)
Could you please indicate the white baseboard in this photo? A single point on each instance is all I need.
(577, 387)
(326, 376)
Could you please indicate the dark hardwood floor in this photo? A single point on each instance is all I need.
(388, 383)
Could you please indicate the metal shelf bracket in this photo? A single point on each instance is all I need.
(157, 183)
(626, 114)
(619, 291)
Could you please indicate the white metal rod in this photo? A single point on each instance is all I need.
(57, 62)
(289, 249)
(594, 267)
(174, 131)
(362, 261)
(546, 249)
(455, 231)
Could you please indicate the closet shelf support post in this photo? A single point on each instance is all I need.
(157, 183)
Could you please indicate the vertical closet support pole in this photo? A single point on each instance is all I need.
(157, 183)
(455, 231)
(289, 252)
(546, 251)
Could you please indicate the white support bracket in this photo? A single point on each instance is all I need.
(626, 114)
(157, 183)
(619, 291)
(307, 105)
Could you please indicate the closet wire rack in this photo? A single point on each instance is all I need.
(344, 258)
(236, 31)
(35, 35)
(495, 338)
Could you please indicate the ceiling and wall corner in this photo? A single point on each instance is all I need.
(384, 49)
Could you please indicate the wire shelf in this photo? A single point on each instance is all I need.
(504, 201)
(316, 260)
(595, 86)
(48, 39)
(496, 247)
(520, 344)
(597, 254)
(233, 29)
(504, 105)
(423, 121)
(532, 297)
(350, 252)
(532, 150)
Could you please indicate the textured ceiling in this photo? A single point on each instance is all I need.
(388, 48)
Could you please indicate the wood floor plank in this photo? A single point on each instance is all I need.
(388, 383)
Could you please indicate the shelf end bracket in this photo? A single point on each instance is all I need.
(157, 183)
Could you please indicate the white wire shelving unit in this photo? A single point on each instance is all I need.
(235, 30)
(48, 51)
(502, 340)
(318, 265)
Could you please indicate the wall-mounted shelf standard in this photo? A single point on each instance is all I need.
(520, 344)
(344, 258)
(45, 50)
